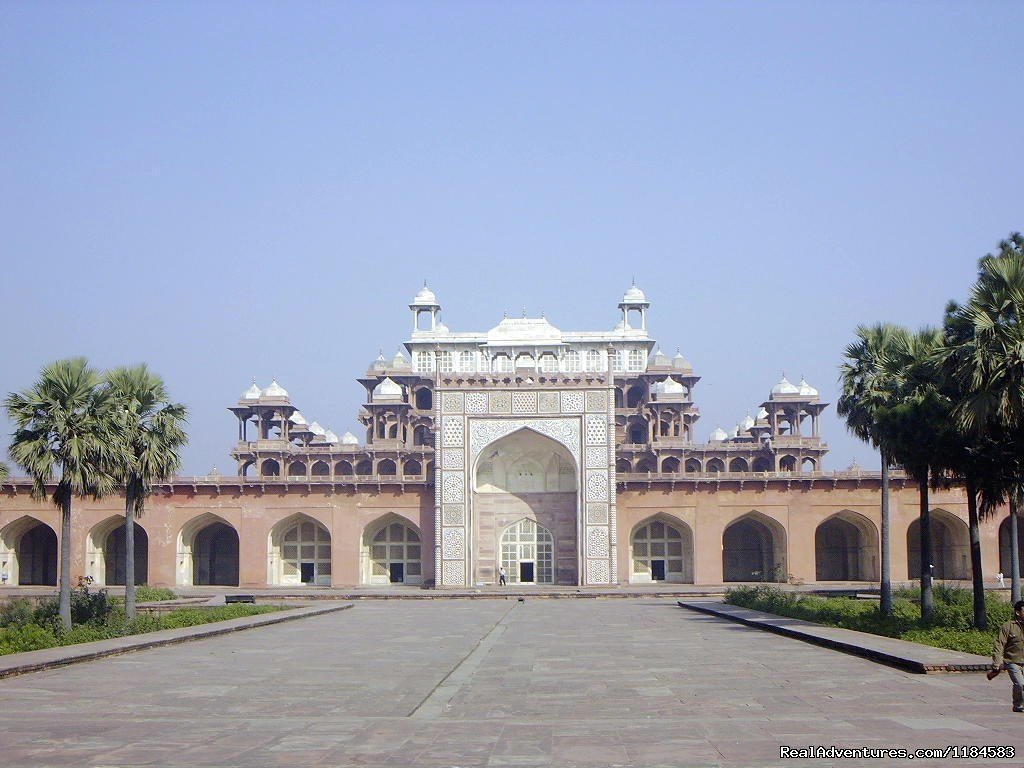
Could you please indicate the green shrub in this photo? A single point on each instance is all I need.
(16, 613)
(147, 594)
(26, 637)
(949, 627)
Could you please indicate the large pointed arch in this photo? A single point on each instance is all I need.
(299, 552)
(207, 552)
(846, 548)
(527, 553)
(105, 552)
(951, 547)
(754, 549)
(391, 552)
(661, 549)
(28, 552)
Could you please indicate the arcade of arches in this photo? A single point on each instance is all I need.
(523, 503)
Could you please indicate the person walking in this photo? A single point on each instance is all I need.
(1008, 654)
(501, 575)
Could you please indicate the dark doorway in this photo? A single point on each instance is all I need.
(215, 556)
(114, 556)
(397, 571)
(526, 573)
(657, 570)
(306, 569)
(37, 557)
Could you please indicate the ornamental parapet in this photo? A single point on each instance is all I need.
(856, 478)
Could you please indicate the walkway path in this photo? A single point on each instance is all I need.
(493, 683)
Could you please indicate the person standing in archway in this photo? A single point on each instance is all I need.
(502, 576)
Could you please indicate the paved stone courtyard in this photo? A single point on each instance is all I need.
(546, 682)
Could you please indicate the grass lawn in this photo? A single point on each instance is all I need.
(950, 627)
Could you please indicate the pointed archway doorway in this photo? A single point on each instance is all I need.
(525, 504)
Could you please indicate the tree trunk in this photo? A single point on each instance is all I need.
(65, 559)
(1014, 550)
(927, 598)
(129, 554)
(977, 576)
(885, 583)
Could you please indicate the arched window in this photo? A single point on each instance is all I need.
(424, 399)
(716, 465)
(738, 465)
(467, 361)
(524, 360)
(501, 363)
(395, 555)
(548, 363)
(637, 358)
(320, 469)
(444, 362)
(662, 552)
(621, 465)
(671, 464)
(572, 361)
(594, 360)
(386, 468)
(296, 469)
(527, 553)
(364, 467)
(412, 468)
(692, 465)
(343, 468)
(270, 468)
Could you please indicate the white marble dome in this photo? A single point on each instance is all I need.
(387, 390)
(274, 390)
(672, 387)
(718, 435)
(316, 429)
(747, 423)
(762, 414)
(349, 439)
(785, 387)
(680, 363)
(425, 296)
(634, 296)
(399, 361)
(806, 390)
(253, 392)
(330, 437)
(660, 359)
(298, 419)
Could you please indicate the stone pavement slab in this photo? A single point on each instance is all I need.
(913, 657)
(561, 683)
(47, 658)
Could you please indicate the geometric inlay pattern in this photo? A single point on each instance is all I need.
(452, 432)
(453, 490)
(597, 400)
(453, 460)
(547, 402)
(597, 542)
(453, 573)
(500, 402)
(597, 513)
(452, 402)
(597, 458)
(572, 402)
(524, 402)
(453, 543)
(598, 572)
(476, 402)
(597, 486)
(453, 514)
(597, 430)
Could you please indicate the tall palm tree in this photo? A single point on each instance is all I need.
(920, 433)
(153, 433)
(868, 381)
(990, 365)
(65, 431)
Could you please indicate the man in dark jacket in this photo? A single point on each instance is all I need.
(1008, 653)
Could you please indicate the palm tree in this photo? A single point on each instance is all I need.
(152, 431)
(64, 429)
(920, 433)
(868, 382)
(988, 365)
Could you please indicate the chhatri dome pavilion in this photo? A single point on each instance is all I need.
(565, 457)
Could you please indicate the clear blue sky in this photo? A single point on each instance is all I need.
(228, 190)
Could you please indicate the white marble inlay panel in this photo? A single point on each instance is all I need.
(453, 514)
(547, 402)
(485, 431)
(597, 513)
(597, 457)
(452, 487)
(597, 401)
(453, 543)
(476, 402)
(597, 430)
(597, 485)
(597, 571)
(453, 458)
(453, 573)
(453, 432)
(452, 402)
(500, 402)
(597, 541)
(524, 402)
(572, 402)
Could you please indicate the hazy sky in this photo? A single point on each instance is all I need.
(229, 190)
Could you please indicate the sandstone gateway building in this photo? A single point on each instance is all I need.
(569, 458)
